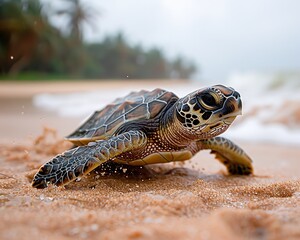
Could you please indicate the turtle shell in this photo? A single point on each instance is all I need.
(135, 106)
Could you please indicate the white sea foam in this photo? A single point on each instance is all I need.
(84, 103)
(266, 101)
(253, 130)
(271, 103)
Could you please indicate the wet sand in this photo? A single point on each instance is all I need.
(195, 200)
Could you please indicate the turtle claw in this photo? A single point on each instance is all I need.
(39, 183)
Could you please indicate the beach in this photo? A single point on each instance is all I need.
(191, 200)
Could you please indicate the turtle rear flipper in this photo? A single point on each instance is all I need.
(74, 163)
(232, 156)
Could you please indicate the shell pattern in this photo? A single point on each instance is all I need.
(135, 106)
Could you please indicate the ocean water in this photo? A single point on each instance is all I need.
(271, 105)
(271, 108)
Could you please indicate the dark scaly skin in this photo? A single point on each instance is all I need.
(76, 162)
(180, 130)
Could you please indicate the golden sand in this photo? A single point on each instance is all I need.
(194, 201)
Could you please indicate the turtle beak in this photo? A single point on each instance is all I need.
(240, 112)
(232, 106)
(238, 104)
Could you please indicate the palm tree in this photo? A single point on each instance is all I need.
(20, 26)
(78, 14)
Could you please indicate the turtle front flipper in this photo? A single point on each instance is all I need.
(76, 162)
(232, 156)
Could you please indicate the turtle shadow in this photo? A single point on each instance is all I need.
(118, 176)
(121, 177)
(121, 171)
(111, 170)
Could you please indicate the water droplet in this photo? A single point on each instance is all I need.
(78, 179)
(124, 170)
(11, 57)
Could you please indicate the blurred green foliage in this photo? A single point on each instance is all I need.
(31, 47)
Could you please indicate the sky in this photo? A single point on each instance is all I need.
(222, 37)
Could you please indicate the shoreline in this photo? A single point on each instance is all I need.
(20, 89)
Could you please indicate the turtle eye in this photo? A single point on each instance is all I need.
(209, 100)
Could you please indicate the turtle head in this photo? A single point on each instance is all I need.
(209, 111)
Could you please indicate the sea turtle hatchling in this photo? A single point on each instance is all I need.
(149, 127)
